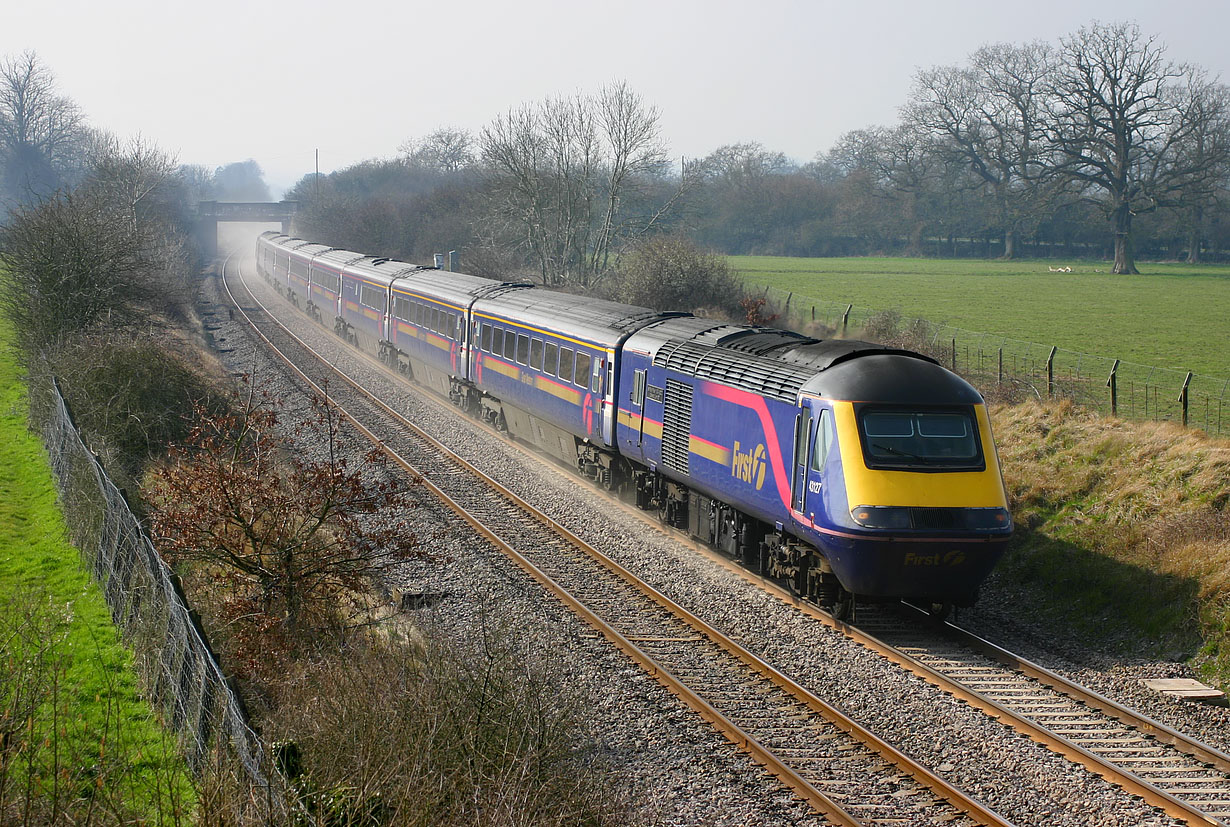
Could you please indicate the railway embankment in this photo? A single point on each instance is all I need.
(1123, 534)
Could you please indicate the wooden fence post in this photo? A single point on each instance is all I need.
(1113, 384)
(1050, 372)
(1183, 396)
(845, 318)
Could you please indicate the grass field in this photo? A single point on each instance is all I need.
(95, 749)
(1171, 316)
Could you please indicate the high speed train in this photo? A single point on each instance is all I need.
(845, 468)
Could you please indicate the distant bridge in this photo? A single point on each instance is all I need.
(210, 213)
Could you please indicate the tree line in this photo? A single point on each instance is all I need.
(1097, 146)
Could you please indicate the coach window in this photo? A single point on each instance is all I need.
(487, 337)
(825, 437)
(523, 349)
(536, 354)
(550, 359)
(510, 345)
(565, 364)
(452, 325)
(582, 375)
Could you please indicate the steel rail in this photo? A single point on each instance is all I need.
(1128, 717)
(957, 798)
(1125, 779)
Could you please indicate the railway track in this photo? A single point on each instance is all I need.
(843, 770)
(1184, 778)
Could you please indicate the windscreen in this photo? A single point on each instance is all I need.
(920, 439)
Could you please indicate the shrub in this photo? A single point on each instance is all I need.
(441, 734)
(670, 273)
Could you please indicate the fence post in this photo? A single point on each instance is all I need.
(845, 318)
(1050, 372)
(1183, 396)
(1113, 384)
(954, 354)
(1000, 380)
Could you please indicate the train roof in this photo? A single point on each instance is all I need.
(604, 323)
(305, 249)
(781, 363)
(892, 378)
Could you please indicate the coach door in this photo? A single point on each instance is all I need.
(802, 441)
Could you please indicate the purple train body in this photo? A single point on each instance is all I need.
(846, 468)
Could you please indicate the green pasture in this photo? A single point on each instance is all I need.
(89, 730)
(1173, 316)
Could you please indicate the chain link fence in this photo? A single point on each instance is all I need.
(988, 360)
(179, 672)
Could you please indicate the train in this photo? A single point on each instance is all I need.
(850, 471)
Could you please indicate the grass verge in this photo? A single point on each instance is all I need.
(78, 743)
(1123, 534)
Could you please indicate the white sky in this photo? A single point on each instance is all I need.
(224, 81)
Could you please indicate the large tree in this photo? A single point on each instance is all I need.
(41, 131)
(570, 175)
(1121, 127)
(989, 117)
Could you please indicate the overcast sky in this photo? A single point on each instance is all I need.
(222, 81)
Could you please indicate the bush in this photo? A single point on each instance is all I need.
(75, 263)
(670, 273)
(439, 735)
(131, 395)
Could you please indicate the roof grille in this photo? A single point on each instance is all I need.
(765, 376)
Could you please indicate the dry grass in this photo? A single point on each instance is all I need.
(1140, 507)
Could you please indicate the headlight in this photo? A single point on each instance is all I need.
(902, 518)
(881, 516)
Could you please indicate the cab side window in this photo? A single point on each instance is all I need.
(826, 436)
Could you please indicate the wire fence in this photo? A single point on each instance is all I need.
(989, 361)
(180, 674)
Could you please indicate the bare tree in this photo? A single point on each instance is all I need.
(563, 173)
(1121, 128)
(901, 163)
(39, 128)
(989, 116)
(736, 165)
(131, 174)
(447, 150)
(1205, 156)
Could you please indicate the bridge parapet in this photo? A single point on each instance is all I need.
(210, 213)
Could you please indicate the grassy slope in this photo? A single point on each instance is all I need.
(1123, 530)
(38, 568)
(1172, 316)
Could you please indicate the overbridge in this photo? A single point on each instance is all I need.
(210, 213)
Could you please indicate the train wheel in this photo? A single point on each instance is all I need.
(843, 606)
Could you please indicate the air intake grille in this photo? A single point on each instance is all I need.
(676, 425)
(937, 519)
